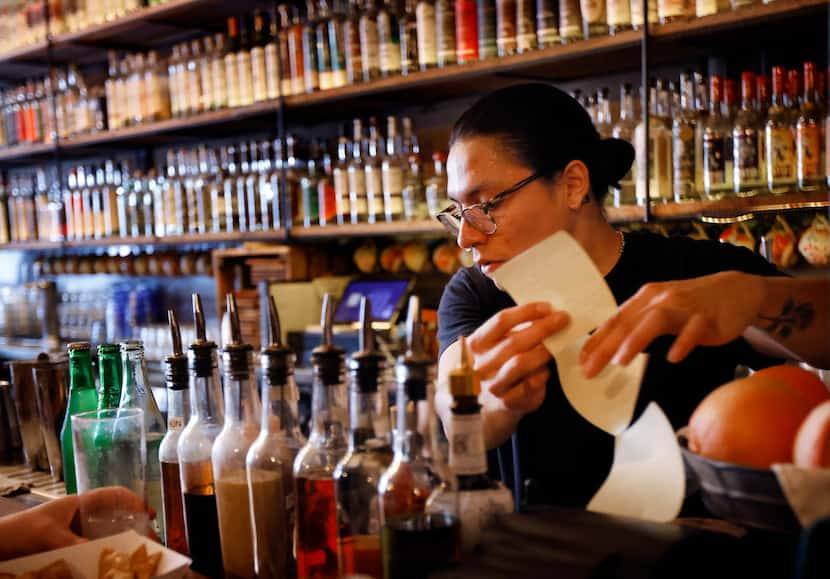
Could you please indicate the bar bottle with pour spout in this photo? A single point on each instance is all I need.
(479, 497)
(207, 415)
(136, 393)
(418, 506)
(178, 410)
(271, 458)
(241, 428)
(316, 517)
(369, 455)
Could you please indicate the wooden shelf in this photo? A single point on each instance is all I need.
(31, 245)
(275, 235)
(25, 154)
(625, 213)
(733, 207)
(400, 228)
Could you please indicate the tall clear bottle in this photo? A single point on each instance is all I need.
(270, 460)
(714, 145)
(316, 516)
(392, 173)
(409, 38)
(780, 145)
(82, 398)
(624, 129)
(369, 455)
(232, 63)
(337, 44)
(419, 518)
(810, 171)
(243, 63)
(372, 166)
(480, 498)
(427, 38)
(136, 393)
(358, 204)
(322, 46)
(351, 38)
(684, 126)
(259, 71)
(389, 39)
(178, 409)
(746, 138)
(195, 445)
(242, 414)
(369, 41)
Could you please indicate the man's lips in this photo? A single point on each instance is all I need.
(488, 267)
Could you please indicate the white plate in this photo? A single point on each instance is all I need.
(83, 559)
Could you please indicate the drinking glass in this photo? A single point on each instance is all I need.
(110, 451)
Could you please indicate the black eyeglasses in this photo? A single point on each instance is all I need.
(478, 215)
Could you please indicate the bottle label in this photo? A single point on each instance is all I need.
(272, 79)
(341, 192)
(809, 150)
(427, 49)
(671, 9)
(593, 11)
(392, 180)
(323, 57)
(260, 74)
(337, 46)
(683, 147)
(745, 147)
(175, 423)
(409, 46)
(570, 22)
(232, 80)
(374, 183)
(246, 88)
(525, 25)
(369, 47)
(637, 12)
(357, 181)
(619, 13)
(220, 83)
(548, 26)
(506, 26)
(780, 153)
(714, 161)
(468, 456)
(389, 44)
(354, 61)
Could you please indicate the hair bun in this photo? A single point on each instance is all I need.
(613, 160)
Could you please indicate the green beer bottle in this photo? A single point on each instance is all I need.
(82, 398)
(109, 376)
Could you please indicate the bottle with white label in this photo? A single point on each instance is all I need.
(374, 177)
(358, 207)
(480, 498)
(392, 172)
(243, 63)
(341, 181)
(259, 71)
(425, 23)
(369, 43)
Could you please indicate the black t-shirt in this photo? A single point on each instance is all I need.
(564, 459)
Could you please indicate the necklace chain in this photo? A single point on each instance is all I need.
(621, 235)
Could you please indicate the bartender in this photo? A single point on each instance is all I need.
(526, 162)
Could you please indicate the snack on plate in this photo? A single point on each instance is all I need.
(57, 570)
(139, 565)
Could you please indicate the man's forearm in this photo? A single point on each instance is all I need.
(794, 314)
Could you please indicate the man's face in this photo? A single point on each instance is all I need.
(478, 168)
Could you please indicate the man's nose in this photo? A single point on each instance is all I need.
(469, 236)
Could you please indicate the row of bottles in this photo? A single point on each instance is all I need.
(122, 383)
(232, 188)
(58, 107)
(705, 144)
(246, 494)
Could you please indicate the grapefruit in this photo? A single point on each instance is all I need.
(812, 442)
(752, 422)
(803, 381)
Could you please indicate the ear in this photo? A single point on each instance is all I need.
(577, 184)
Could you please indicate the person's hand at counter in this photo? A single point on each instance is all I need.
(56, 524)
(779, 316)
(511, 360)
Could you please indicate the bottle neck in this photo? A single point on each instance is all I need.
(328, 409)
(368, 421)
(109, 376)
(241, 401)
(627, 107)
(80, 372)
(279, 408)
(178, 407)
(134, 373)
(205, 393)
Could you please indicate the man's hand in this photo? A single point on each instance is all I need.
(707, 311)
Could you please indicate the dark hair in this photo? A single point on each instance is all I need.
(545, 128)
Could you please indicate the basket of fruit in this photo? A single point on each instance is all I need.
(779, 416)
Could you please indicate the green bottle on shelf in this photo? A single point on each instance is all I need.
(109, 376)
(82, 398)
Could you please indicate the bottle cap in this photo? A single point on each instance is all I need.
(277, 360)
(328, 358)
(200, 360)
(366, 365)
(236, 355)
(463, 380)
(77, 346)
(414, 366)
(175, 373)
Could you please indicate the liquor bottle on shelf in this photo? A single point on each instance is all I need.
(427, 34)
(241, 186)
(136, 393)
(619, 15)
(252, 197)
(358, 203)
(684, 126)
(547, 24)
(351, 38)
(273, 66)
(506, 27)
(374, 176)
(480, 498)
(392, 173)
(194, 448)
(297, 65)
(827, 134)
(322, 46)
(218, 73)
(715, 184)
(311, 66)
(341, 181)
(809, 170)
(178, 409)
(113, 110)
(746, 137)
(310, 213)
(232, 63)
(419, 519)
(243, 64)
(389, 39)
(206, 81)
(294, 170)
(415, 206)
(525, 26)
(271, 457)
(109, 376)
(658, 150)
(230, 449)
(605, 120)
(369, 50)
(325, 188)
(487, 29)
(176, 105)
(368, 456)
(624, 129)
(436, 186)
(594, 19)
(408, 26)
(673, 11)
(316, 515)
(637, 14)
(259, 71)
(779, 144)
(82, 398)
(570, 21)
(466, 31)
(336, 36)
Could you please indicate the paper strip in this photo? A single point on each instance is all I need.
(647, 479)
(607, 400)
(807, 490)
(558, 271)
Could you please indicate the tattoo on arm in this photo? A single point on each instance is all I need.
(793, 317)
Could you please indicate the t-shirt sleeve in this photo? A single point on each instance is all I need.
(460, 312)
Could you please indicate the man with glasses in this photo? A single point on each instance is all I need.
(524, 163)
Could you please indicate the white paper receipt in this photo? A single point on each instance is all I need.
(647, 479)
(558, 271)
